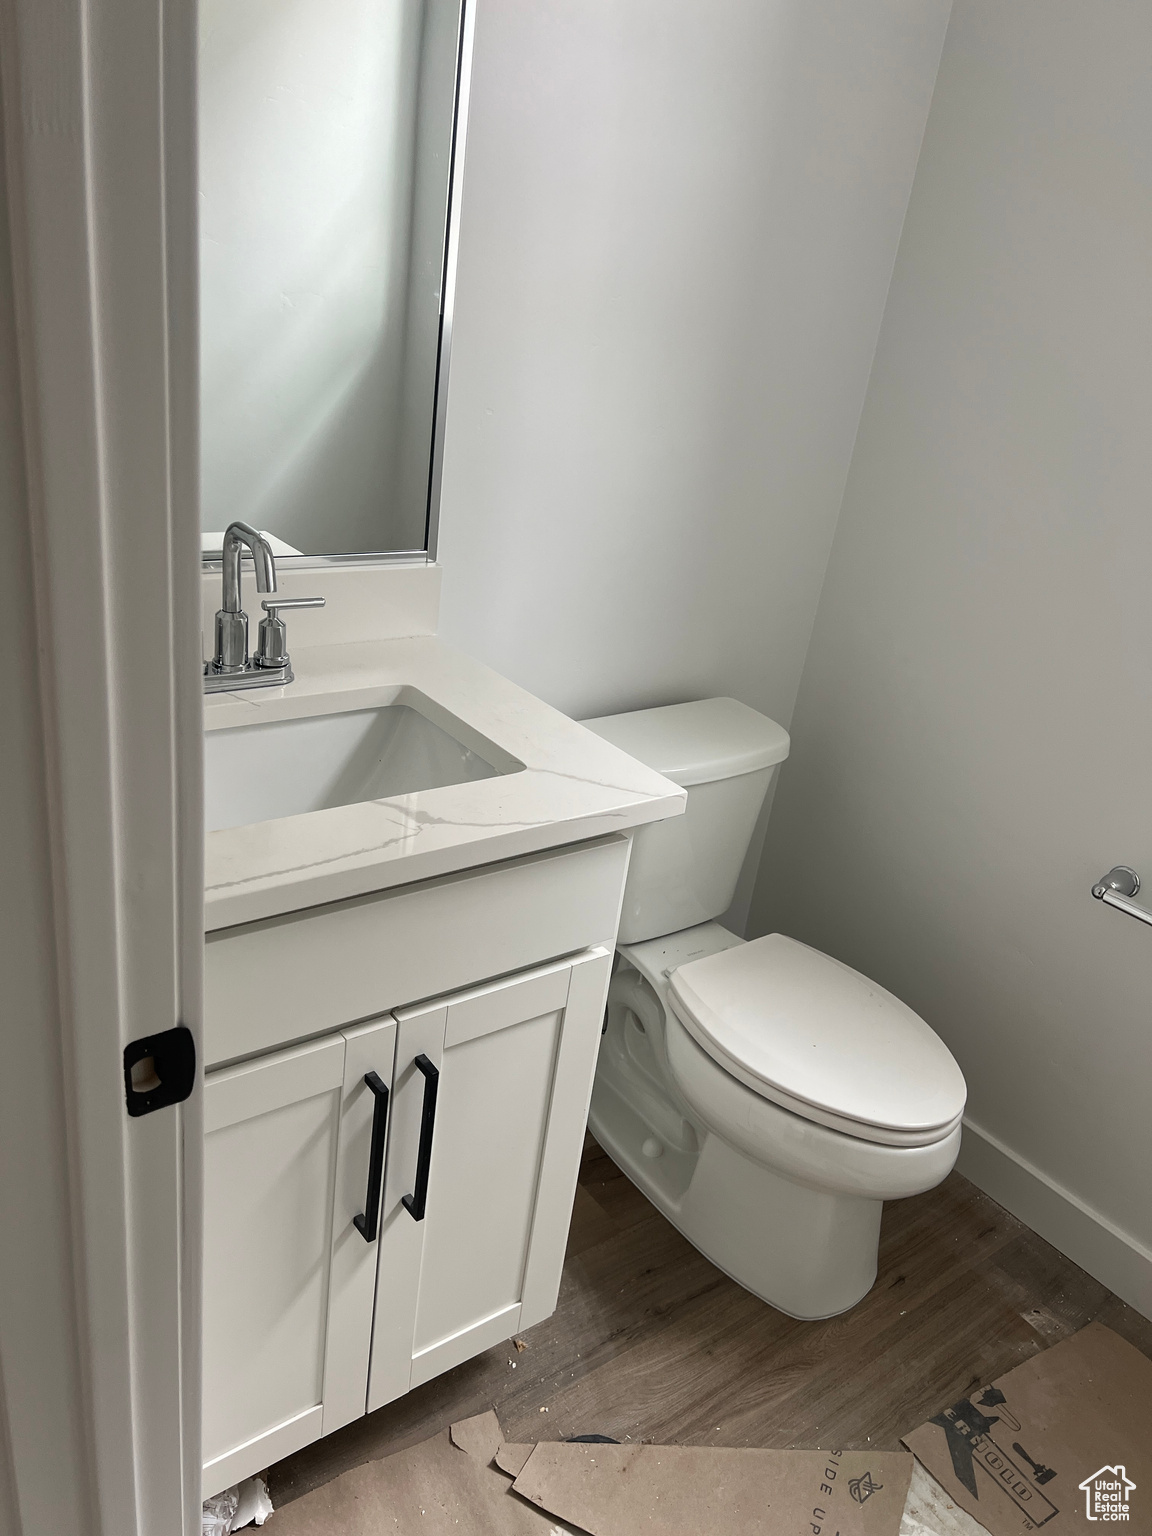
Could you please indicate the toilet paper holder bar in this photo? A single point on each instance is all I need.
(1116, 889)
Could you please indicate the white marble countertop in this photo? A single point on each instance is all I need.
(573, 786)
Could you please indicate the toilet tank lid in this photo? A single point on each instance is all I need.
(697, 743)
(808, 1031)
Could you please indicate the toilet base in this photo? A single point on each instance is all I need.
(809, 1253)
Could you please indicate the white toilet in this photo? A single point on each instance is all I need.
(765, 1097)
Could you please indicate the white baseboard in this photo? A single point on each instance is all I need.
(1110, 1255)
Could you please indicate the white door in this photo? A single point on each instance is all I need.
(101, 825)
(294, 1148)
(490, 1101)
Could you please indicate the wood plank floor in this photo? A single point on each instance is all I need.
(651, 1342)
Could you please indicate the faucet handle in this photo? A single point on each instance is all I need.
(272, 641)
(270, 605)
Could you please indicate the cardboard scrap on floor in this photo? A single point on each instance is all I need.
(444, 1485)
(1063, 1439)
(621, 1490)
(469, 1480)
(928, 1511)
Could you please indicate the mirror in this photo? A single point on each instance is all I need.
(328, 140)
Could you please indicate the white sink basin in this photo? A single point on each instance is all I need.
(288, 767)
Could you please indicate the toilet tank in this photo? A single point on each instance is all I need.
(684, 870)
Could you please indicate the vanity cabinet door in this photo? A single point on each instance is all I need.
(288, 1277)
(510, 1065)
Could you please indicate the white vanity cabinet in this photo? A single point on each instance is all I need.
(479, 1098)
(288, 1280)
(481, 1257)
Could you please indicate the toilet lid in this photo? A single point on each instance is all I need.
(815, 1036)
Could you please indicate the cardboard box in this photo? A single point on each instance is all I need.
(1062, 1443)
(467, 1480)
(624, 1490)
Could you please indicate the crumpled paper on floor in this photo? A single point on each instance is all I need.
(243, 1504)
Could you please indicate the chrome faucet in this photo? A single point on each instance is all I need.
(231, 666)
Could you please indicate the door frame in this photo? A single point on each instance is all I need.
(99, 140)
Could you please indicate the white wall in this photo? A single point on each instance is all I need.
(679, 223)
(973, 733)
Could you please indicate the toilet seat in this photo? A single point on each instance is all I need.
(815, 1037)
(796, 1146)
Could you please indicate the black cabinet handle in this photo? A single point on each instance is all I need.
(368, 1224)
(414, 1204)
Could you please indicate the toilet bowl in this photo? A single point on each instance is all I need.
(764, 1096)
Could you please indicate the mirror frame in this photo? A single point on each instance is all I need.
(427, 555)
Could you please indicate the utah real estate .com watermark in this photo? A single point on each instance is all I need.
(1107, 1494)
